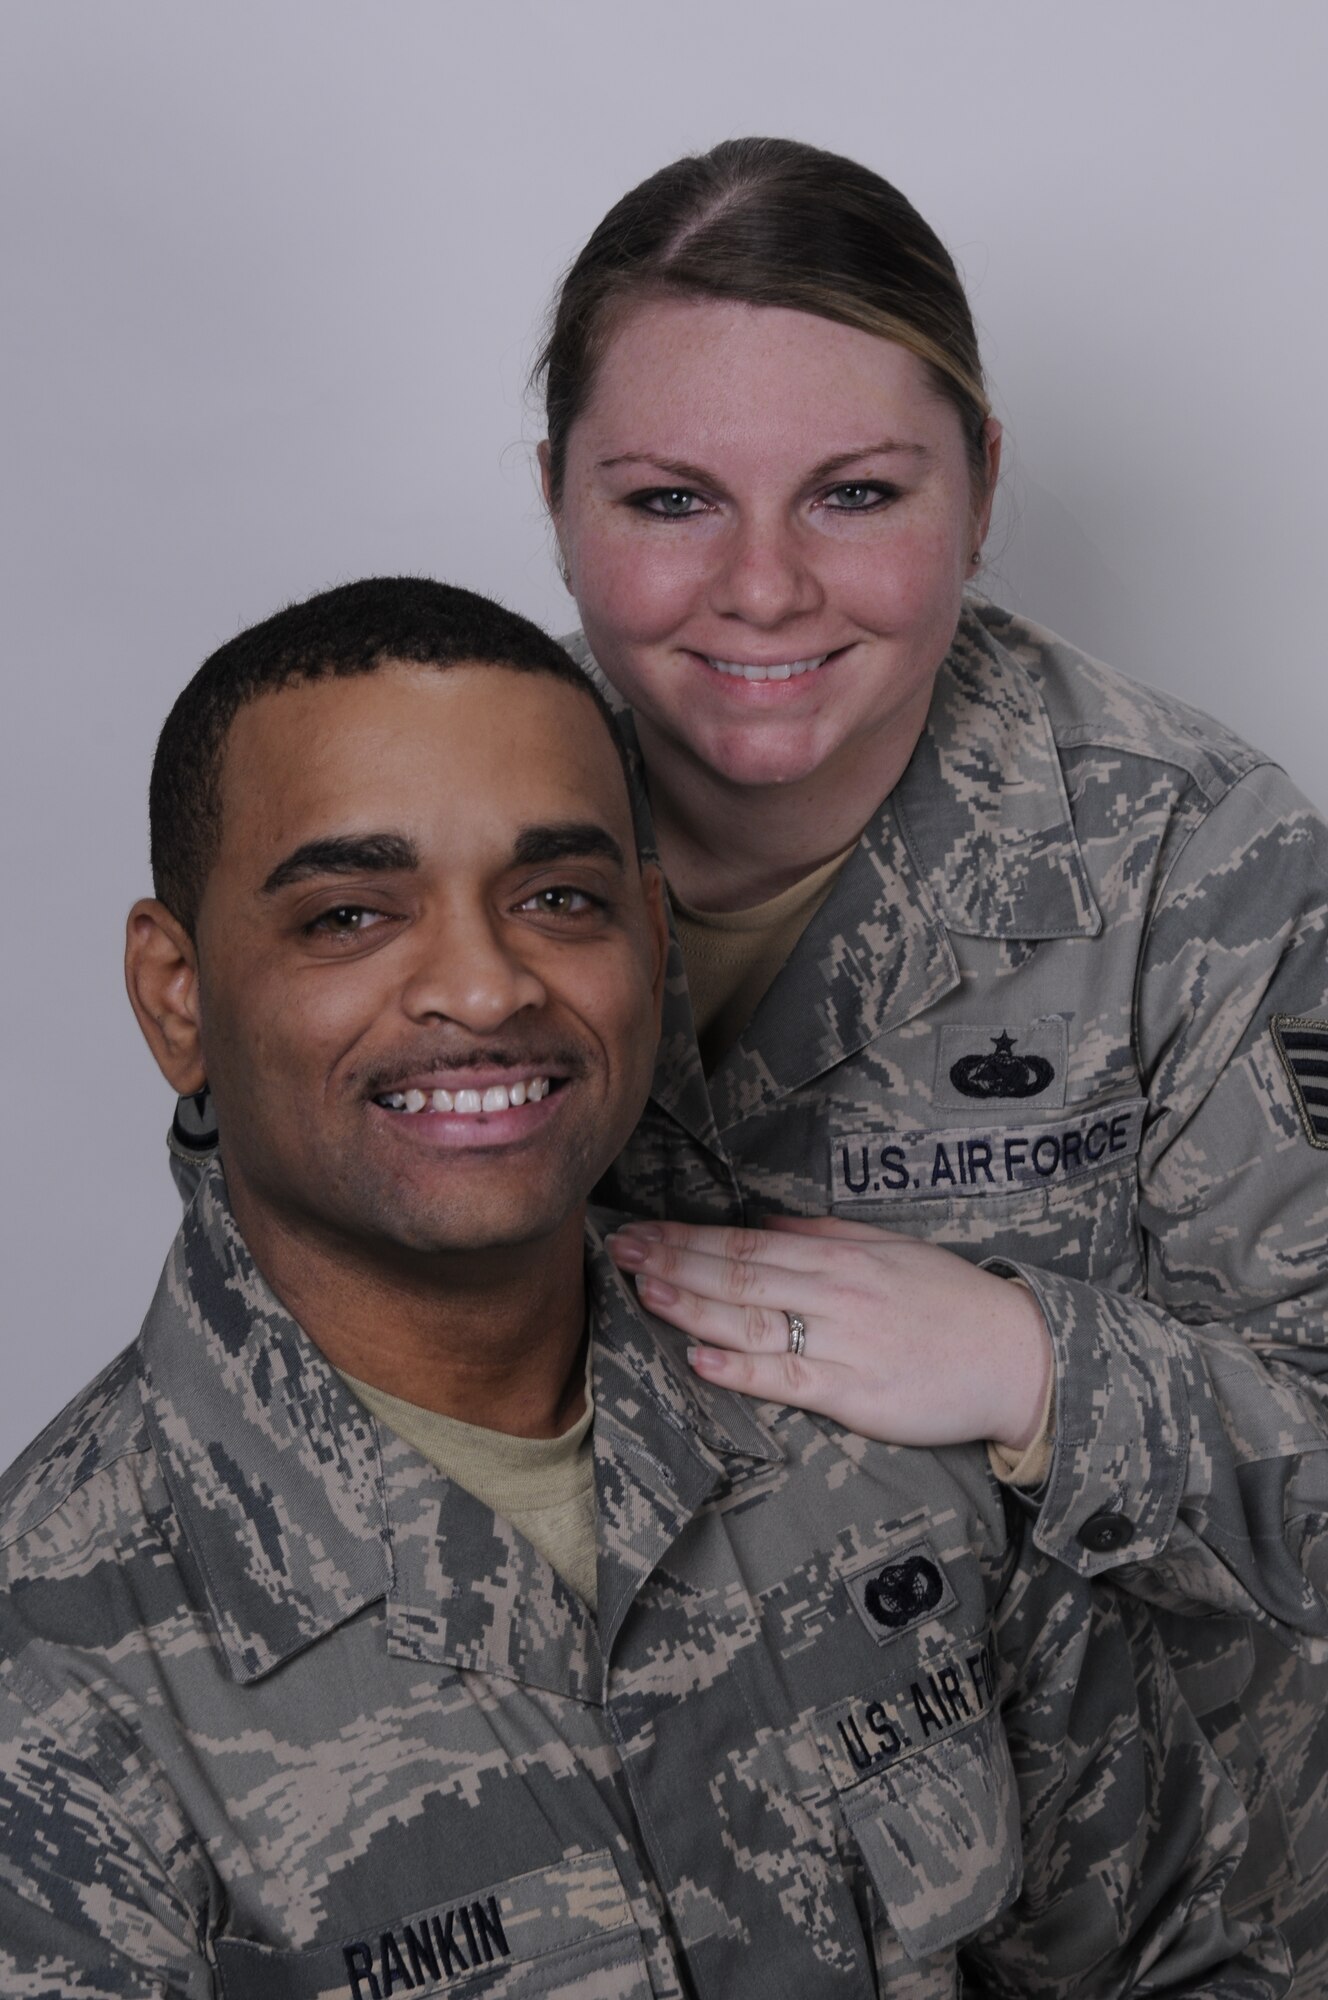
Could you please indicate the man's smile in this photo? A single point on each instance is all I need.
(471, 1101)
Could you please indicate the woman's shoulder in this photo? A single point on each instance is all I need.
(1093, 706)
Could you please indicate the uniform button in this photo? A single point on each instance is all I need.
(1101, 1533)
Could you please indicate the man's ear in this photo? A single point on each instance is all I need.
(652, 881)
(161, 973)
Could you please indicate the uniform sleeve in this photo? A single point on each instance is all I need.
(1130, 1827)
(87, 1911)
(1191, 1425)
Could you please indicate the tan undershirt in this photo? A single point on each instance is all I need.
(732, 957)
(544, 1486)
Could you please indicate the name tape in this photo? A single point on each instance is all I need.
(908, 1164)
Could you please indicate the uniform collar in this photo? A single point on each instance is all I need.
(299, 1512)
(982, 804)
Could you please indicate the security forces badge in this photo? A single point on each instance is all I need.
(1302, 1045)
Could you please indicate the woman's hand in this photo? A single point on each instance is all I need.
(905, 1341)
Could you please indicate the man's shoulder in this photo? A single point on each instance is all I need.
(102, 1427)
(574, 644)
(1093, 706)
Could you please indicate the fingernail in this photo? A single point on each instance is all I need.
(624, 1251)
(655, 1288)
(647, 1232)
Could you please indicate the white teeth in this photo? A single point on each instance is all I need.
(786, 670)
(470, 1103)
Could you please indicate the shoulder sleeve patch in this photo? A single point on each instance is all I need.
(1302, 1045)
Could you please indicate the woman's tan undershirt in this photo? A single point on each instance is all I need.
(732, 956)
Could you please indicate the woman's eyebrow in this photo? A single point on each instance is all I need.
(885, 448)
(344, 854)
(697, 475)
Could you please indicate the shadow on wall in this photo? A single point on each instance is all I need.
(1043, 564)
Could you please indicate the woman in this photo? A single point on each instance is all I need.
(1009, 993)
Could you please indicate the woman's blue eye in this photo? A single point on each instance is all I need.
(856, 497)
(674, 502)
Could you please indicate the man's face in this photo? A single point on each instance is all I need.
(426, 896)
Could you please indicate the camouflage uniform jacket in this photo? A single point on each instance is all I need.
(284, 1712)
(1066, 1010)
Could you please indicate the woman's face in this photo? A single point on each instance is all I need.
(768, 519)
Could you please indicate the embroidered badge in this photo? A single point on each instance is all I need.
(1303, 1047)
(890, 1597)
(1001, 1073)
(981, 1065)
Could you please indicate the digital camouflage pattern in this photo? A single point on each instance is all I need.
(1040, 1019)
(283, 1712)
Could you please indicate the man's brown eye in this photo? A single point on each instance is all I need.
(345, 919)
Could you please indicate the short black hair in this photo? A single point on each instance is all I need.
(353, 629)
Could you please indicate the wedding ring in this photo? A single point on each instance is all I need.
(797, 1333)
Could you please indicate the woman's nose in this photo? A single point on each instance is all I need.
(767, 575)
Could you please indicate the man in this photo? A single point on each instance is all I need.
(398, 1614)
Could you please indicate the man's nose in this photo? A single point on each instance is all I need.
(468, 970)
(767, 575)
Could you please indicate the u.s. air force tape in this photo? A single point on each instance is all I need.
(908, 1163)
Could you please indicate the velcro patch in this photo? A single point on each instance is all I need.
(902, 1163)
(863, 1736)
(905, 1590)
(986, 1065)
(1303, 1046)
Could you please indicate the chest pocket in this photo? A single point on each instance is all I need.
(935, 1822)
(554, 1934)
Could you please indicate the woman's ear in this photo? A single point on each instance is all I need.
(546, 474)
(992, 436)
(161, 974)
(546, 487)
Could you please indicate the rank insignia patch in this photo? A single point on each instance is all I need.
(1303, 1046)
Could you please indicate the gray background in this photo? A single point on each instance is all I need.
(273, 275)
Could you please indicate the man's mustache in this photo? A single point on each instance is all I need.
(543, 1058)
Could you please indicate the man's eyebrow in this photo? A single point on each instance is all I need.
(344, 854)
(696, 475)
(565, 840)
